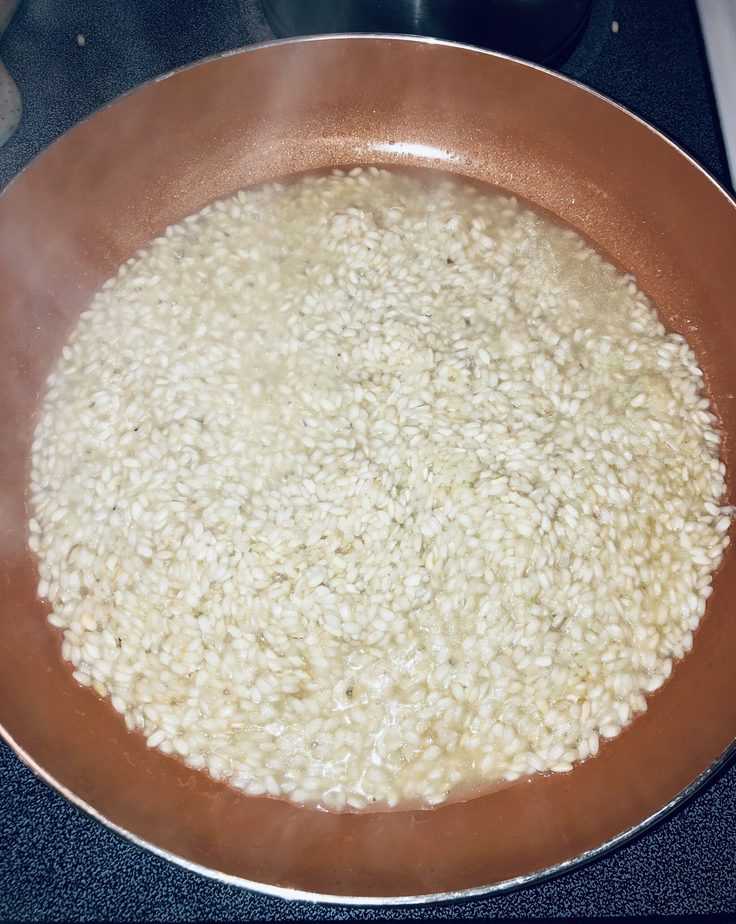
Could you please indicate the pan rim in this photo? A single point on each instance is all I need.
(494, 888)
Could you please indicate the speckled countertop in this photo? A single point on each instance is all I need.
(58, 864)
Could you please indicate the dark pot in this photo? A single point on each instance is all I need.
(545, 31)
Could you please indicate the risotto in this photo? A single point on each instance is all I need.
(368, 491)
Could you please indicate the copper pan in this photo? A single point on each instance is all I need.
(165, 150)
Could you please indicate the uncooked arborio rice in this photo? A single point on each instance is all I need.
(365, 490)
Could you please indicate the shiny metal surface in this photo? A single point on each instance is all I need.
(116, 180)
(540, 30)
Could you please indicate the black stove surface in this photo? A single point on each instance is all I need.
(55, 862)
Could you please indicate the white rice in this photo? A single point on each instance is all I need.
(361, 491)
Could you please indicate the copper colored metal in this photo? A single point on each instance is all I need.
(115, 181)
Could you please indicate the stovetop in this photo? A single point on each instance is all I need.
(56, 863)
